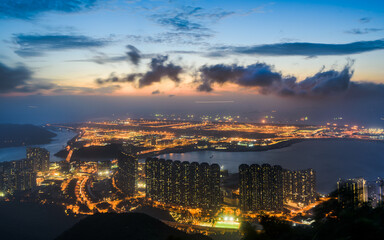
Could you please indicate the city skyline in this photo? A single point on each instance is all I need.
(202, 119)
(287, 56)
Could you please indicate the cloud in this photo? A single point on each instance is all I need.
(187, 24)
(34, 86)
(182, 38)
(359, 31)
(12, 79)
(134, 54)
(300, 49)
(358, 90)
(256, 75)
(266, 80)
(37, 45)
(189, 18)
(20, 80)
(179, 23)
(324, 83)
(160, 68)
(365, 20)
(29, 9)
(129, 78)
(102, 58)
(71, 90)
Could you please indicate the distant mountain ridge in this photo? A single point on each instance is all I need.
(132, 226)
(15, 135)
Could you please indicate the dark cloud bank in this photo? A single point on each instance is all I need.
(20, 80)
(11, 78)
(267, 81)
(259, 77)
(322, 96)
(160, 68)
(264, 79)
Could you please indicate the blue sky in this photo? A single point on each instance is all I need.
(284, 49)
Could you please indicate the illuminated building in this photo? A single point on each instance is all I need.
(299, 186)
(214, 192)
(352, 191)
(37, 159)
(103, 166)
(8, 173)
(176, 182)
(150, 177)
(245, 187)
(380, 185)
(185, 189)
(261, 187)
(168, 180)
(194, 184)
(103, 169)
(14, 176)
(162, 180)
(183, 183)
(25, 180)
(126, 176)
(375, 192)
(65, 166)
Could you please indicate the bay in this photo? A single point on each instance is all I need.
(57, 143)
(331, 159)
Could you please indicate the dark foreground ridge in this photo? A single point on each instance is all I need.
(132, 226)
(32, 221)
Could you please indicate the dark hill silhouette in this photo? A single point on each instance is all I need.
(132, 226)
(97, 152)
(14, 135)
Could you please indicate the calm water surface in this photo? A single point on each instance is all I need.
(332, 159)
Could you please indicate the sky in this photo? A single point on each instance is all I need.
(78, 60)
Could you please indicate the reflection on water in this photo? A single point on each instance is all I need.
(332, 159)
(58, 143)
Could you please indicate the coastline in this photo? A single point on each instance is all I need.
(57, 143)
(281, 145)
(26, 141)
(192, 148)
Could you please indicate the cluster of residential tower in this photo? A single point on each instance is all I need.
(261, 187)
(21, 175)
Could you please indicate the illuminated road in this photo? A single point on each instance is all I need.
(69, 156)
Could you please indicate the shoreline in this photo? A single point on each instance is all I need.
(281, 145)
(193, 148)
(15, 153)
